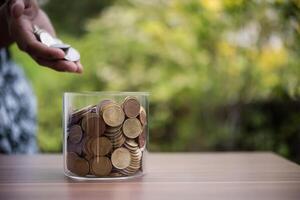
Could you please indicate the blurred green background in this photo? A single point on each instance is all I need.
(224, 75)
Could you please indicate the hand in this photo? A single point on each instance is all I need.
(22, 15)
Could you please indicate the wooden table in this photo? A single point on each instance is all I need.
(170, 176)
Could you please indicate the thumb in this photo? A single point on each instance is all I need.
(17, 8)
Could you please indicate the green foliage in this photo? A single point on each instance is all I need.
(213, 69)
(69, 16)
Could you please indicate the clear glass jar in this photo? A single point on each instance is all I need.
(105, 135)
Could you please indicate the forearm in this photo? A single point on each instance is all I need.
(5, 38)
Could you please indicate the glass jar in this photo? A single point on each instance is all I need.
(105, 135)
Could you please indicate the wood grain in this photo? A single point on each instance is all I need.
(170, 176)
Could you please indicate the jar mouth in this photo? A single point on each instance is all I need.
(114, 93)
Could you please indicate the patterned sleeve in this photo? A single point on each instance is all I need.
(17, 109)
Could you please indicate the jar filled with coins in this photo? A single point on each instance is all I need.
(105, 134)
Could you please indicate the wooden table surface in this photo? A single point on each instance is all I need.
(170, 176)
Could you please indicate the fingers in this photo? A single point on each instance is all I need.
(80, 68)
(60, 65)
(27, 41)
(17, 8)
(40, 50)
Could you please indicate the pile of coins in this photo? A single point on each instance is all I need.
(47, 39)
(107, 139)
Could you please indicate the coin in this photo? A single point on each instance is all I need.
(75, 148)
(118, 140)
(131, 107)
(143, 116)
(46, 38)
(82, 110)
(36, 29)
(93, 124)
(102, 126)
(72, 55)
(90, 120)
(121, 158)
(142, 139)
(101, 166)
(77, 165)
(91, 172)
(77, 115)
(113, 129)
(60, 46)
(132, 128)
(75, 134)
(101, 146)
(86, 147)
(102, 104)
(131, 143)
(115, 174)
(57, 41)
(108, 104)
(113, 115)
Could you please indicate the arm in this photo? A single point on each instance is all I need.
(5, 39)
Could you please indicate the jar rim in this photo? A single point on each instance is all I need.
(115, 93)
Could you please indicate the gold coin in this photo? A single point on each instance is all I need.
(131, 107)
(87, 147)
(115, 174)
(93, 124)
(121, 158)
(94, 109)
(102, 104)
(91, 172)
(75, 134)
(101, 166)
(113, 129)
(113, 134)
(77, 115)
(112, 103)
(132, 128)
(113, 115)
(143, 116)
(118, 141)
(82, 111)
(102, 126)
(77, 165)
(142, 139)
(71, 147)
(101, 146)
(85, 119)
(135, 155)
(128, 171)
(131, 143)
(88, 156)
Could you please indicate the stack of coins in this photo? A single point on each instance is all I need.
(107, 139)
(47, 39)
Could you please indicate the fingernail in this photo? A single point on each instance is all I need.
(79, 68)
(16, 11)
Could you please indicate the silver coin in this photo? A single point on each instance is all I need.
(61, 46)
(72, 55)
(46, 38)
(57, 41)
(36, 29)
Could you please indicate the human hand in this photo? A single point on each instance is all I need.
(21, 16)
